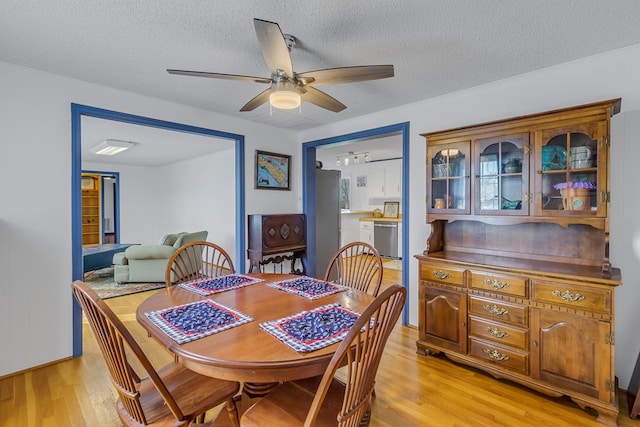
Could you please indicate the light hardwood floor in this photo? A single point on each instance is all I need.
(411, 389)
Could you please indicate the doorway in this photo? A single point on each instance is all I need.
(77, 112)
(309, 190)
(105, 227)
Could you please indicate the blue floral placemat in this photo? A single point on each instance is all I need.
(308, 287)
(214, 285)
(314, 329)
(196, 320)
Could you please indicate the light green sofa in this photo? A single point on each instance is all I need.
(148, 263)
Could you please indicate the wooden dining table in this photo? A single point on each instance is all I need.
(246, 353)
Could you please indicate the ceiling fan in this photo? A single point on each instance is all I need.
(287, 88)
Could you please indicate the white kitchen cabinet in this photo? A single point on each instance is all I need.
(384, 179)
(366, 232)
(393, 178)
(375, 179)
(349, 228)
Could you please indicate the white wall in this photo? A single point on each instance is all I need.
(200, 194)
(607, 76)
(35, 199)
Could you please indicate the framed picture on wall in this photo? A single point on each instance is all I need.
(391, 209)
(272, 171)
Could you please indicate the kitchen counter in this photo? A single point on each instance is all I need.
(345, 212)
(399, 219)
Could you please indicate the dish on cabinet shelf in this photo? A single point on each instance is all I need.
(554, 158)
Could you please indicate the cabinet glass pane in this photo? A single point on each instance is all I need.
(570, 173)
(448, 183)
(500, 177)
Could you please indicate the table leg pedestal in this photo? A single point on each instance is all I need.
(254, 390)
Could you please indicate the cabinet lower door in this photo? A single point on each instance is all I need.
(445, 316)
(572, 352)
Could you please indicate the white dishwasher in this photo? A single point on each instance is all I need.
(385, 237)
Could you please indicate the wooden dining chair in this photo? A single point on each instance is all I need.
(325, 400)
(357, 265)
(170, 396)
(198, 260)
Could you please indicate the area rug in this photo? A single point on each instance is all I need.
(394, 264)
(102, 282)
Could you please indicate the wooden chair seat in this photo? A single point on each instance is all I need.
(288, 405)
(326, 401)
(184, 385)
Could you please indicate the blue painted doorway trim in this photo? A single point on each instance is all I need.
(79, 110)
(309, 191)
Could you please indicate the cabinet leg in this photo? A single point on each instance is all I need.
(424, 351)
(608, 417)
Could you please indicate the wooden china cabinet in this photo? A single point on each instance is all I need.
(516, 278)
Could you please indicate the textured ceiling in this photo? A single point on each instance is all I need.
(436, 46)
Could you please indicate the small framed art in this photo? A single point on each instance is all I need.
(272, 171)
(391, 209)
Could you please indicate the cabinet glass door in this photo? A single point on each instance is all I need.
(448, 177)
(501, 174)
(569, 174)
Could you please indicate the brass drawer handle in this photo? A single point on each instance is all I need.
(441, 274)
(568, 296)
(495, 310)
(496, 332)
(496, 355)
(496, 284)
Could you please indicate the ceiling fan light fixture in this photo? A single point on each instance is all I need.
(285, 99)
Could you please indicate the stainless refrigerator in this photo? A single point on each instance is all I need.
(327, 218)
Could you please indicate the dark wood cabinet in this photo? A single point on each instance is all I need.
(516, 278)
(278, 240)
(583, 365)
(444, 318)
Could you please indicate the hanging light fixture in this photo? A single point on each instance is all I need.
(354, 157)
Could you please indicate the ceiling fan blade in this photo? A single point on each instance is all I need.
(274, 48)
(332, 76)
(220, 76)
(257, 101)
(323, 100)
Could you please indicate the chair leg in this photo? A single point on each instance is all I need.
(232, 410)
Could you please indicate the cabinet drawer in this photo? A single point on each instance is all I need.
(510, 358)
(366, 225)
(499, 311)
(498, 332)
(511, 285)
(575, 296)
(443, 274)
